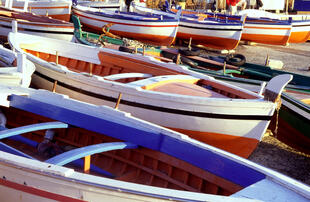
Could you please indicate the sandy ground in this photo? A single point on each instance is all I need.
(271, 152)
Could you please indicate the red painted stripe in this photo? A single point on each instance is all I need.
(134, 25)
(38, 192)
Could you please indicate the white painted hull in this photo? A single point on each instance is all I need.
(215, 35)
(154, 30)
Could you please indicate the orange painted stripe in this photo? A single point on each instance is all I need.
(210, 41)
(267, 27)
(265, 39)
(134, 25)
(241, 146)
(37, 192)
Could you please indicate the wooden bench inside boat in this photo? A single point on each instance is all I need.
(177, 84)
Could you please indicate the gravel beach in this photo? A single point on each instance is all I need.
(271, 152)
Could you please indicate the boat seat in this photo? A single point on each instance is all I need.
(72, 155)
(176, 84)
(29, 128)
(158, 79)
(126, 76)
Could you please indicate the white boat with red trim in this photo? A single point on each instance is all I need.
(266, 31)
(151, 29)
(213, 33)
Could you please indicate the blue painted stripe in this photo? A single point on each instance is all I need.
(11, 150)
(29, 128)
(208, 160)
(72, 155)
(200, 157)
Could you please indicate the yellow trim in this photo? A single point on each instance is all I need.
(307, 101)
(154, 85)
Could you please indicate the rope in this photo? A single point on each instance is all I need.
(279, 103)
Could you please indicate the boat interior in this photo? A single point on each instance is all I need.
(131, 163)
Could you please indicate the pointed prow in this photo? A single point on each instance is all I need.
(275, 87)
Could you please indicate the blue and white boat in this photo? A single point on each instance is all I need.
(48, 139)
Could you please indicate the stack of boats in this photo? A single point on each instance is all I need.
(112, 125)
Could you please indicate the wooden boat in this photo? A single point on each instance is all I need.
(131, 159)
(58, 9)
(35, 25)
(15, 69)
(158, 30)
(192, 105)
(217, 34)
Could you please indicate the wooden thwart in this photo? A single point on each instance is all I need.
(72, 155)
(29, 128)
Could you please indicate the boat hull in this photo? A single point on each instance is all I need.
(293, 124)
(300, 31)
(213, 35)
(266, 33)
(157, 32)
